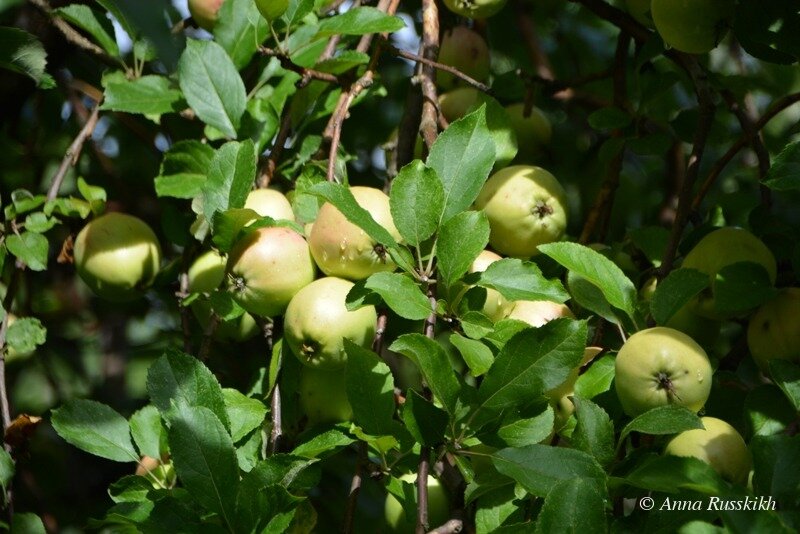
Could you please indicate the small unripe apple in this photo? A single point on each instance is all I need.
(496, 306)
(692, 26)
(719, 249)
(205, 275)
(438, 507)
(533, 130)
(538, 312)
(270, 203)
(267, 268)
(341, 248)
(117, 255)
(457, 103)
(272, 9)
(526, 207)
(465, 50)
(323, 396)
(475, 9)
(719, 445)
(204, 12)
(660, 366)
(774, 330)
(317, 322)
(640, 10)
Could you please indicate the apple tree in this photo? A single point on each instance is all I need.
(400, 266)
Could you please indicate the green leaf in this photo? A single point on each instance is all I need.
(177, 381)
(7, 469)
(597, 379)
(341, 197)
(539, 468)
(416, 202)
(675, 291)
(25, 334)
(147, 431)
(494, 508)
(27, 523)
(786, 376)
(784, 175)
(669, 419)
(296, 11)
(244, 413)
(370, 389)
(93, 23)
(534, 361)
(212, 85)
(328, 442)
(432, 360)
(532, 426)
(401, 294)
(360, 21)
(463, 156)
(23, 53)
(39, 223)
(239, 30)
(148, 95)
(573, 505)
(477, 356)
(597, 269)
(521, 280)
(205, 460)
(589, 296)
(594, 431)
(230, 178)
(424, 421)
(609, 118)
(95, 428)
(673, 474)
(742, 286)
(460, 241)
(30, 248)
(652, 241)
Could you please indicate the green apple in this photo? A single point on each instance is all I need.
(341, 248)
(660, 366)
(267, 267)
(526, 207)
(538, 312)
(466, 51)
(438, 507)
(317, 322)
(692, 26)
(496, 306)
(533, 130)
(774, 330)
(270, 203)
(323, 396)
(640, 10)
(206, 275)
(272, 9)
(458, 102)
(719, 249)
(204, 12)
(719, 445)
(117, 255)
(475, 9)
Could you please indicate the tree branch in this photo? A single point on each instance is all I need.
(73, 152)
(439, 66)
(454, 526)
(288, 64)
(355, 488)
(430, 50)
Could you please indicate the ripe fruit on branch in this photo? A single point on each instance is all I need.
(774, 330)
(692, 26)
(272, 9)
(720, 249)
(204, 12)
(267, 267)
(465, 50)
(323, 396)
(341, 248)
(496, 306)
(205, 275)
(475, 9)
(718, 445)
(438, 507)
(117, 255)
(534, 131)
(538, 312)
(526, 207)
(270, 203)
(317, 322)
(660, 366)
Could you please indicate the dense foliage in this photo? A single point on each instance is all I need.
(299, 265)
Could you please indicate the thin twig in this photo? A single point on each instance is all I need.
(355, 488)
(440, 66)
(73, 152)
(454, 526)
(422, 490)
(288, 64)
(429, 123)
(208, 337)
(277, 420)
